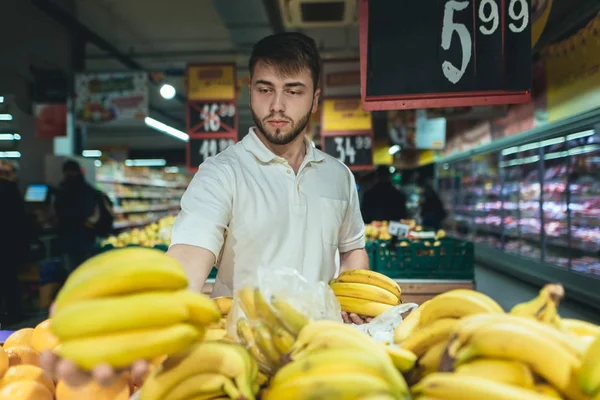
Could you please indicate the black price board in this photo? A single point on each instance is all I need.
(206, 117)
(201, 147)
(444, 53)
(353, 149)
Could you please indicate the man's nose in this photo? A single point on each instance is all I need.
(278, 103)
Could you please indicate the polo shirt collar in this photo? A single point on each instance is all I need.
(254, 145)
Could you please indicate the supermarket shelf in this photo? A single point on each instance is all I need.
(140, 181)
(135, 224)
(121, 210)
(580, 287)
(141, 196)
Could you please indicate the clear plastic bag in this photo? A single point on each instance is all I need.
(382, 327)
(270, 308)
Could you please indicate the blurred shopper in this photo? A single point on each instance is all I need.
(433, 212)
(14, 241)
(383, 202)
(77, 209)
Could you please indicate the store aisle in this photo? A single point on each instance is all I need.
(509, 291)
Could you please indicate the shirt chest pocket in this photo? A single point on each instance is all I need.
(332, 218)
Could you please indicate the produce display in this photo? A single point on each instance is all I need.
(130, 304)
(379, 230)
(154, 234)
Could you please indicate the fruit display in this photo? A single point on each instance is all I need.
(379, 230)
(157, 233)
(129, 304)
(366, 293)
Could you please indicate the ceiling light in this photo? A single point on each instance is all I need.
(10, 154)
(580, 135)
(10, 136)
(392, 170)
(167, 91)
(172, 170)
(98, 163)
(1, 99)
(394, 149)
(150, 162)
(169, 130)
(91, 153)
(6, 117)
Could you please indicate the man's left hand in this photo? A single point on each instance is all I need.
(350, 318)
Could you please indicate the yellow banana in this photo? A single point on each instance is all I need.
(429, 335)
(408, 325)
(403, 360)
(362, 307)
(201, 308)
(320, 335)
(246, 337)
(544, 307)
(457, 304)
(262, 379)
(122, 271)
(505, 371)
(263, 309)
(449, 386)
(430, 361)
(204, 384)
(546, 357)
(282, 340)
(264, 340)
(342, 387)
(331, 362)
(370, 278)
(116, 314)
(246, 296)
(364, 291)
(468, 325)
(222, 324)
(223, 303)
(215, 334)
(291, 319)
(579, 327)
(123, 348)
(588, 376)
(547, 390)
(209, 357)
(379, 396)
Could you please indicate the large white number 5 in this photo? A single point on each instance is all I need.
(449, 27)
(523, 16)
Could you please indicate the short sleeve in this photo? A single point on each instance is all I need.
(206, 208)
(352, 232)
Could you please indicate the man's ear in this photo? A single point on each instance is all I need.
(316, 98)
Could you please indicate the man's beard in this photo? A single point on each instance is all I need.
(278, 138)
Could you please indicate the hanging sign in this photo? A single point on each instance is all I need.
(345, 115)
(446, 53)
(201, 147)
(211, 82)
(211, 117)
(355, 149)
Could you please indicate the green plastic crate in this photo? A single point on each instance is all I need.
(453, 259)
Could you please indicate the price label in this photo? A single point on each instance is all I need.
(356, 151)
(397, 229)
(446, 53)
(211, 117)
(200, 148)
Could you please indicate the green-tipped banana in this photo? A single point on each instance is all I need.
(588, 375)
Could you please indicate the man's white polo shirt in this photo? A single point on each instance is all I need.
(248, 207)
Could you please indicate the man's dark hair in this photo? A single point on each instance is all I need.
(289, 52)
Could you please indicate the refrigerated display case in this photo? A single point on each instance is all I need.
(532, 203)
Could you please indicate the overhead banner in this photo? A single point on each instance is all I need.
(211, 82)
(111, 98)
(344, 115)
(341, 78)
(573, 73)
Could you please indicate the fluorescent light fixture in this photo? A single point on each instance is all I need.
(10, 154)
(91, 153)
(580, 135)
(169, 130)
(150, 162)
(394, 149)
(510, 150)
(10, 136)
(551, 142)
(172, 170)
(1, 99)
(98, 163)
(6, 117)
(392, 170)
(167, 91)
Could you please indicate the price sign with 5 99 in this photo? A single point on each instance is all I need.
(215, 117)
(489, 15)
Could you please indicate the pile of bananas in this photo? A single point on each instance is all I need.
(208, 370)
(268, 329)
(129, 304)
(330, 360)
(366, 293)
(469, 348)
(218, 331)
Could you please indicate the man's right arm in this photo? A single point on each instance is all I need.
(199, 231)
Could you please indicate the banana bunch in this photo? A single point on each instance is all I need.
(330, 360)
(366, 293)
(208, 370)
(218, 330)
(544, 307)
(588, 375)
(269, 329)
(128, 304)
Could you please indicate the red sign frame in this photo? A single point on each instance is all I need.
(429, 100)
